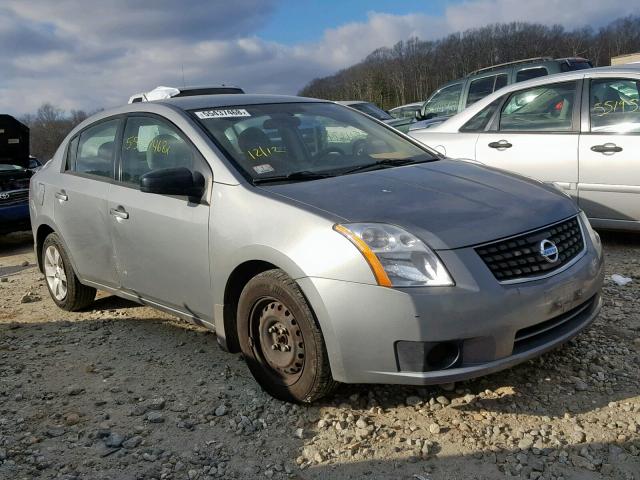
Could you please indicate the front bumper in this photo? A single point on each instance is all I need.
(363, 325)
(14, 218)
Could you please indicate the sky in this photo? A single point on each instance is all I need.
(87, 54)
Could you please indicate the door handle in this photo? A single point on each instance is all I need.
(119, 213)
(62, 196)
(606, 148)
(501, 144)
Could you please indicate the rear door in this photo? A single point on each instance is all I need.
(161, 241)
(80, 209)
(609, 186)
(535, 133)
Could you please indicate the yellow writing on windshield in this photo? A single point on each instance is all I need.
(261, 152)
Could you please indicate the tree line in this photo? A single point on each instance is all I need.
(48, 126)
(412, 69)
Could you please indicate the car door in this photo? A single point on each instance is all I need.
(535, 133)
(80, 210)
(609, 185)
(161, 241)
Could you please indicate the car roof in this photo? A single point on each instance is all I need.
(227, 100)
(456, 121)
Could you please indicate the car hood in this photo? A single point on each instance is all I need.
(448, 203)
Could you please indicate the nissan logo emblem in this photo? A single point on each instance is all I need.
(549, 251)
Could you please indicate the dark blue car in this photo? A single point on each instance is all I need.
(16, 168)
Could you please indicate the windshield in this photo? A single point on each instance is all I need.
(371, 109)
(285, 139)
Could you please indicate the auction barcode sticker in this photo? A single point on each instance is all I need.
(223, 113)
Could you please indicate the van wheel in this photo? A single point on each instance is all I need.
(281, 340)
(65, 289)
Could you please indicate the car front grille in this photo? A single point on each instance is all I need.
(519, 258)
(15, 196)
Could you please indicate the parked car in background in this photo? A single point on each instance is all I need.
(577, 130)
(406, 111)
(455, 96)
(239, 212)
(376, 112)
(15, 172)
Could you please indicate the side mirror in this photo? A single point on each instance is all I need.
(173, 181)
(418, 115)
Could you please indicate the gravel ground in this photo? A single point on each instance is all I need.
(122, 391)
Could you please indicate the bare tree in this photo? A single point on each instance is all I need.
(410, 70)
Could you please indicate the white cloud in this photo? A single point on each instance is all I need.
(82, 57)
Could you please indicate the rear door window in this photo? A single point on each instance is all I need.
(614, 105)
(529, 73)
(96, 150)
(543, 108)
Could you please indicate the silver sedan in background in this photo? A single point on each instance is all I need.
(323, 244)
(578, 130)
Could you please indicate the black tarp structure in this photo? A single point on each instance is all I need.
(14, 141)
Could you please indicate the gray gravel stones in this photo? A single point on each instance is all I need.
(155, 417)
(81, 394)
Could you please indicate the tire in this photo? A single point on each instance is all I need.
(273, 315)
(63, 284)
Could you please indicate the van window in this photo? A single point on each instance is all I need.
(96, 149)
(480, 88)
(614, 105)
(444, 102)
(544, 108)
(530, 73)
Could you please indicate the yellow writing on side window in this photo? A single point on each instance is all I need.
(159, 146)
(131, 142)
(601, 109)
(261, 152)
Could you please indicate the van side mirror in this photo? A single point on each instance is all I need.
(173, 181)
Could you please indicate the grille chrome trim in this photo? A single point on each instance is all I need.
(551, 273)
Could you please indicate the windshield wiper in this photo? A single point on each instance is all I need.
(383, 163)
(301, 175)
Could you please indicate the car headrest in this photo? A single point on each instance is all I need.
(252, 138)
(105, 150)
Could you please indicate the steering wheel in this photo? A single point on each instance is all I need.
(324, 153)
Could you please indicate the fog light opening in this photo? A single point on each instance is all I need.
(443, 355)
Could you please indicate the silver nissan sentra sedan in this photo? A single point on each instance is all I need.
(322, 244)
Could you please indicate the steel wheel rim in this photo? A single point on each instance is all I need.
(277, 340)
(55, 273)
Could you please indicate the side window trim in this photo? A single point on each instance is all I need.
(494, 123)
(64, 165)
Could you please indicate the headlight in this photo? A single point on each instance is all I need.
(396, 257)
(593, 235)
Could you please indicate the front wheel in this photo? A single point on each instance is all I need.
(65, 288)
(281, 340)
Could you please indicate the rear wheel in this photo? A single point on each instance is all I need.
(281, 340)
(65, 289)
